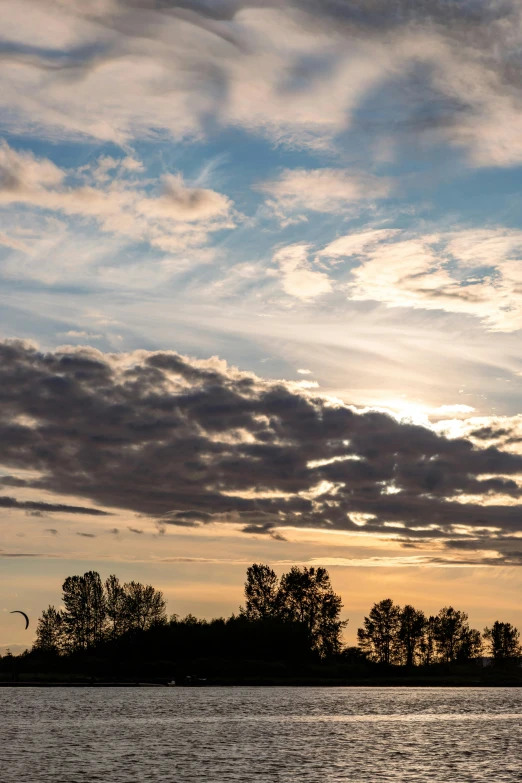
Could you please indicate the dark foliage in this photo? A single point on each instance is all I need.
(392, 635)
(288, 631)
(503, 640)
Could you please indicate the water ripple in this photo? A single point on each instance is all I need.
(270, 735)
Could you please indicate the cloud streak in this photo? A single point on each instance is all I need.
(49, 508)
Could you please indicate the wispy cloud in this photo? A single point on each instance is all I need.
(176, 217)
(322, 190)
(298, 276)
(296, 72)
(474, 272)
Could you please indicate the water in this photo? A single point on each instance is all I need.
(266, 735)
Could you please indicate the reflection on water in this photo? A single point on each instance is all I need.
(265, 735)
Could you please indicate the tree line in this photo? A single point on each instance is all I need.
(95, 611)
(405, 636)
(298, 614)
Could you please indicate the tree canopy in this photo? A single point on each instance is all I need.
(303, 595)
(95, 611)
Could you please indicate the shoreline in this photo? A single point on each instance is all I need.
(301, 684)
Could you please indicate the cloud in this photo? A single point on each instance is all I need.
(297, 71)
(179, 202)
(353, 244)
(299, 278)
(191, 442)
(174, 219)
(115, 71)
(85, 335)
(135, 530)
(322, 190)
(86, 535)
(52, 531)
(453, 409)
(477, 272)
(37, 508)
(504, 432)
(23, 176)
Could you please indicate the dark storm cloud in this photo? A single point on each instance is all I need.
(189, 443)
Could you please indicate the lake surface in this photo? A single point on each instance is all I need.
(263, 735)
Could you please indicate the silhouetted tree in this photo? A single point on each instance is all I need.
(261, 592)
(453, 635)
(410, 633)
(306, 596)
(380, 636)
(503, 640)
(50, 632)
(115, 607)
(427, 645)
(85, 611)
(470, 646)
(144, 607)
(95, 612)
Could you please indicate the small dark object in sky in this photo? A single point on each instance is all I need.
(18, 611)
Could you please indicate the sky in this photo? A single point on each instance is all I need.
(261, 300)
